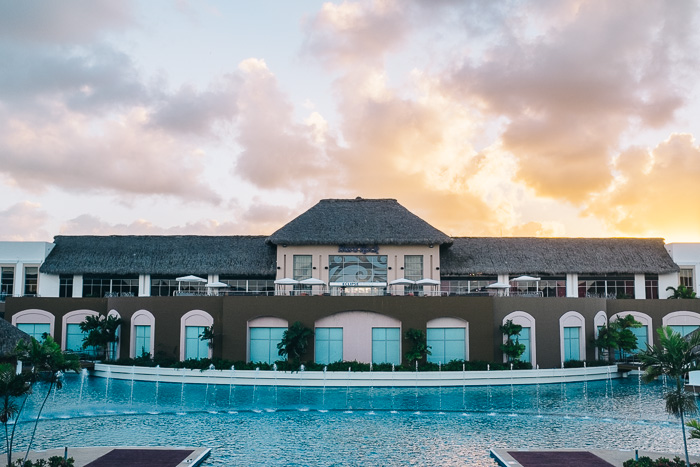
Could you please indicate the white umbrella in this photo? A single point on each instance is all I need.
(402, 281)
(182, 279)
(312, 281)
(190, 279)
(216, 284)
(286, 281)
(498, 285)
(524, 278)
(428, 282)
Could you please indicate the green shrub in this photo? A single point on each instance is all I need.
(645, 461)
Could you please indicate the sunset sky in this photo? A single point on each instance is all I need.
(486, 118)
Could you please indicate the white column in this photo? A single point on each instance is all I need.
(77, 286)
(144, 285)
(639, 287)
(572, 285)
(18, 290)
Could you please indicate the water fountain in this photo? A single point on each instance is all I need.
(575, 416)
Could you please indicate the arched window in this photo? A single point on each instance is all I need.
(572, 326)
(143, 328)
(600, 320)
(35, 323)
(263, 336)
(527, 334)
(644, 333)
(114, 346)
(192, 325)
(72, 336)
(683, 322)
(448, 339)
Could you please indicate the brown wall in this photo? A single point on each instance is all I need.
(231, 315)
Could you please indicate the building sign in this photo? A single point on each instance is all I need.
(364, 249)
(357, 284)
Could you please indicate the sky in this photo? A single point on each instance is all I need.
(558, 118)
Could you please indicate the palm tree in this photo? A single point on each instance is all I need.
(681, 292)
(12, 387)
(294, 342)
(674, 356)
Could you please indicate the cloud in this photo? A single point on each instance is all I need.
(570, 94)
(655, 192)
(24, 221)
(71, 21)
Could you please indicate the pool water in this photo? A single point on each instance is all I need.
(356, 426)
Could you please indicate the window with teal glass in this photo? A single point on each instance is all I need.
(142, 340)
(329, 345)
(195, 348)
(446, 344)
(524, 338)
(37, 331)
(386, 345)
(684, 330)
(263, 344)
(572, 337)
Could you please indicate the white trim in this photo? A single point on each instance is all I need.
(642, 318)
(572, 319)
(142, 318)
(681, 318)
(193, 318)
(455, 323)
(35, 316)
(526, 320)
(74, 317)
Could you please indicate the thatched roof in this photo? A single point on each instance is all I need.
(358, 222)
(483, 255)
(246, 256)
(10, 336)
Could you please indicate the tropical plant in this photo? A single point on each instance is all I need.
(419, 346)
(674, 356)
(101, 333)
(681, 292)
(208, 335)
(295, 341)
(48, 363)
(512, 348)
(12, 387)
(617, 335)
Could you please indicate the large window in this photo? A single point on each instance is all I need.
(195, 347)
(37, 331)
(65, 285)
(651, 286)
(329, 345)
(684, 330)
(353, 269)
(166, 286)
(74, 338)
(386, 345)
(546, 286)
(524, 339)
(572, 336)
(413, 270)
(302, 270)
(686, 278)
(473, 285)
(237, 286)
(31, 280)
(7, 281)
(606, 287)
(142, 340)
(100, 286)
(446, 344)
(263, 344)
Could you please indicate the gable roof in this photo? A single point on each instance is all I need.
(358, 222)
(520, 255)
(248, 256)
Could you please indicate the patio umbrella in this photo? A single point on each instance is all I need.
(428, 282)
(312, 281)
(216, 284)
(286, 281)
(524, 278)
(402, 281)
(182, 279)
(498, 285)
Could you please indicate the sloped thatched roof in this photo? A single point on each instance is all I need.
(248, 256)
(10, 336)
(518, 255)
(358, 222)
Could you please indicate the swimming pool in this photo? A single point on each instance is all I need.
(357, 426)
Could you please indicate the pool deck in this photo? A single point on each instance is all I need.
(573, 457)
(120, 456)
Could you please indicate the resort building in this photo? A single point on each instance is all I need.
(359, 272)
